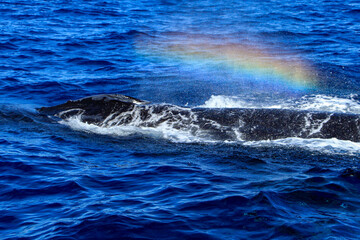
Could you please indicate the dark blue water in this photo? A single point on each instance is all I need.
(68, 181)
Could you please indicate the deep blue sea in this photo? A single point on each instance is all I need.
(72, 180)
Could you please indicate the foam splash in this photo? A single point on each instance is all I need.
(163, 131)
(251, 62)
(327, 146)
(221, 101)
(329, 104)
(318, 102)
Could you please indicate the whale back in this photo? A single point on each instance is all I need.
(247, 124)
(94, 108)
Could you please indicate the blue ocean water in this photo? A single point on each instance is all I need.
(67, 180)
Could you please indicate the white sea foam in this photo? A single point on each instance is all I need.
(161, 131)
(331, 146)
(309, 102)
(221, 101)
(329, 104)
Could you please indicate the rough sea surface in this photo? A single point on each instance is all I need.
(71, 180)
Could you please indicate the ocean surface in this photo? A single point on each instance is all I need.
(71, 180)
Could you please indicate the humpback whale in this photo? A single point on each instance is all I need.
(248, 124)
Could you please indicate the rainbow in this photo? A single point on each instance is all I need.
(255, 62)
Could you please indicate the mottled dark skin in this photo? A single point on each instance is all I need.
(95, 109)
(262, 124)
(253, 124)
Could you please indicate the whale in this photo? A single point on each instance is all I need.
(227, 124)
